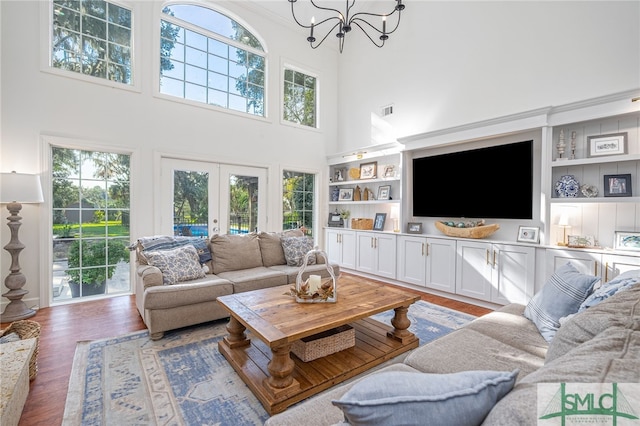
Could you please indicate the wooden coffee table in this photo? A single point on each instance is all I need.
(279, 379)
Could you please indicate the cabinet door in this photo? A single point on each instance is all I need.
(513, 273)
(473, 269)
(615, 265)
(385, 249)
(585, 262)
(333, 246)
(365, 253)
(441, 264)
(348, 243)
(411, 259)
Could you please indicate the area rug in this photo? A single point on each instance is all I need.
(182, 379)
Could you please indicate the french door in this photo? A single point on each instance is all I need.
(204, 198)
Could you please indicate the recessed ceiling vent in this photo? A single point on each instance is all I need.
(387, 110)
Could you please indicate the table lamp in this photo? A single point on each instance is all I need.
(563, 223)
(16, 189)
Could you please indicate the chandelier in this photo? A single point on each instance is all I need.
(343, 23)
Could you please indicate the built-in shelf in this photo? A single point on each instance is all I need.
(572, 200)
(595, 160)
(363, 181)
(366, 202)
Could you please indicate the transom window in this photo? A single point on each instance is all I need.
(92, 37)
(299, 105)
(207, 57)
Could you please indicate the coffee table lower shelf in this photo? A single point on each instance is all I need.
(372, 347)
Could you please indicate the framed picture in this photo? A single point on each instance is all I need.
(580, 241)
(378, 222)
(611, 144)
(335, 220)
(384, 192)
(346, 194)
(617, 185)
(339, 175)
(414, 228)
(368, 170)
(389, 171)
(529, 234)
(627, 241)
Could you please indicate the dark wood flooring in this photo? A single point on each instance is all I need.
(63, 326)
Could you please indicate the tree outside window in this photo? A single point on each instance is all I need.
(300, 98)
(298, 200)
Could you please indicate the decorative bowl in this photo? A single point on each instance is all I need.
(472, 232)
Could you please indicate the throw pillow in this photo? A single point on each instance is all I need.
(271, 246)
(235, 252)
(295, 248)
(561, 295)
(608, 289)
(405, 398)
(177, 265)
(10, 337)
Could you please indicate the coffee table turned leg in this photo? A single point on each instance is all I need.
(401, 323)
(236, 338)
(281, 382)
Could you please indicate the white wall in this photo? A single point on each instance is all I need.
(455, 62)
(36, 103)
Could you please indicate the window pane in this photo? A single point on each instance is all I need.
(298, 200)
(176, 70)
(196, 75)
(170, 86)
(217, 81)
(299, 104)
(218, 98)
(195, 93)
(196, 57)
(218, 64)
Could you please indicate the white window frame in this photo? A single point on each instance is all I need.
(46, 25)
(158, 15)
(316, 196)
(288, 64)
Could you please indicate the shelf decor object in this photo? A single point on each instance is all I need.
(567, 187)
(529, 234)
(378, 222)
(580, 241)
(373, 25)
(384, 192)
(16, 189)
(345, 194)
(561, 147)
(611, 144)
(617, 185)
(627, 241)
(368, 170)
(414, 228)
(481, 231)
(315, 289)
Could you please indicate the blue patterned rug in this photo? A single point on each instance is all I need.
(182, 379)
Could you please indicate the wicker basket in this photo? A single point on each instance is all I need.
(325, 343)
(26, 329)
(361, 223)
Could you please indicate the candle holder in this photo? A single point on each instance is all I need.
(315, 289)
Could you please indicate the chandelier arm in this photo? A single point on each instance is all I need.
(368, 36)
(355, 20)
(318, 7)
(326, 35)
(330, 9)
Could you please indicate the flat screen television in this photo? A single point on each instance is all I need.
(494, 182)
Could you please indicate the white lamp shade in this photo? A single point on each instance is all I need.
(20, 188)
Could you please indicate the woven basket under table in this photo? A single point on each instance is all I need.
(26, 329)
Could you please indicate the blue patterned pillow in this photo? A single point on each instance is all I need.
(295, 248)
(561, 295)
(608, 289)
(405, 398)
(177, 265)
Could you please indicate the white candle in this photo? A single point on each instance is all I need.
(314, 283)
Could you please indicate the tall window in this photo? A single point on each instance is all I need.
(299, 105)
(90, 223)
(298, 200)
(208, 57)
(92, 38)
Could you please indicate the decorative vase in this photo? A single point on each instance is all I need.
(316, 289)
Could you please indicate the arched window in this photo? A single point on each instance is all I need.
(207, 57)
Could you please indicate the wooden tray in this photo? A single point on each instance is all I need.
(475, 232)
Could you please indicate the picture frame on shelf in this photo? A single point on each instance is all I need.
(378, 222)
(346, 194)
(529, 234)
(617, 185)
(389, 171)
(368, 170)
(335, 220)
(610, 144)
(384, 192)
(627, 240)
(581, 241)
(414, 228)
(340, 175)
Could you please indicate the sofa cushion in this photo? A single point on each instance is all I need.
(418, 398)
(295, 248)
(206, 289)
(619, 310)
(271, 246)
(254, 278)
(561, 295)
(177, 265)
(164, 242)
(234, 252)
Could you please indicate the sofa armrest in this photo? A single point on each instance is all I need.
(149, 276)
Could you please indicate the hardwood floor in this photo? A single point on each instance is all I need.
(63, 326)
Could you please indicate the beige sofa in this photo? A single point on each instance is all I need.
(600, 344)
(238, 263)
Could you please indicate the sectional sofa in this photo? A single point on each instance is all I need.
(489, 371)
(178, 279)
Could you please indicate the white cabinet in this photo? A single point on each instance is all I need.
(441, 264)
(412, 264)
(376, 253)
(341, 247)
(498, 273)
(604, 265)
